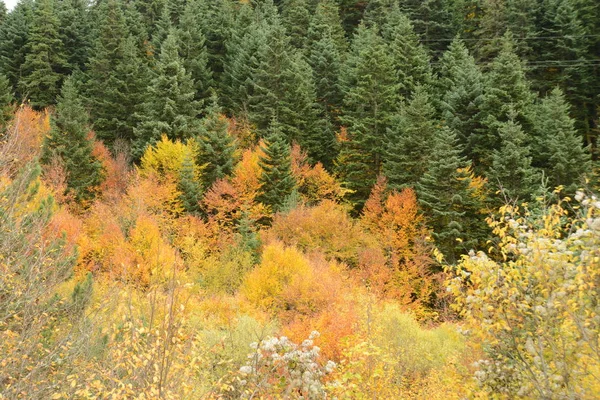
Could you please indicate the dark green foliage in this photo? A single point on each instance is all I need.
(150, 11)
(461, 87)
(507, 90)
(45, 64)
(116, 77)
(217, 147)
(277, 181)
(409, 141)
(14, 35)
(188, 185)
(326, 22)
(283, 89)
(6, 100)
(370, 101)
(447, 199)
(295, 17)
(557, 148)
(170, 107)
(75, 32)
(192, 49)
(68, 143)
(432, 20)
(410, 59)
(511, 172)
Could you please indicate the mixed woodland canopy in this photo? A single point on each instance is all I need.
(222, 199)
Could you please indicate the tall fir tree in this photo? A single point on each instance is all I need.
(68, 141)
(410, 58)
(557, 148)
(432, 20)
(370, 100)
(409, 139)
(460, 87)
(295, 17)
(326, 21)
(45, 65)
(116, 77)
(193, 51)
(170, 107)
(511, 173)
(14, 36)
(507, 90)
(189, 185)
(217, 147)
(447, 198)
(277, 181)
(75, 32)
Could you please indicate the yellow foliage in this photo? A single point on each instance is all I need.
(166, 158)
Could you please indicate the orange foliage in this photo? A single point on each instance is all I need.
(25, 137)
(116, 170)
(314, 182)
(325, 228)
(243, 131)
(65, 223)
(395, 221)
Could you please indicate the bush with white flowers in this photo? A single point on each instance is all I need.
(277, 366)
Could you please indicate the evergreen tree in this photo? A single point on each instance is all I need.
(326, 22)
(277, 181)
(151, 12)
(45, 63)
(116, 77)
(6, 100)
(217, 146)
(68, 141)
(14, 36)
(557, 148)
(370, 101)
(189, 186)
(161, 31)
(411, 61)
(506, 90)
(192, 49)
(446, 197)
(432, 20)
(282, 88)
(295, 18)
(409, 140)
(75, 32)
(170, 107)
(461, 87)
(326, 63)
(511, 172)
(3, 11)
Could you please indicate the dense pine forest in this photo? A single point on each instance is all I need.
(299, 199)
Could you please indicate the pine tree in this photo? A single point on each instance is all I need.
(432, 20)
(295, 17)
(326, 22)
(217, 146)
(277, 181)
(370, 101)
(446, 197)
(45, 64)
(507, 90)
(192, 49)
(557, 149)
(6, 100)
(511, 172)
(170, 107)
(189, 186)
(151, 12)
(409, 139)
(116, 77)
(75, 32)
(411, 61)
(68, 141)
(14, 36)
(461, 88)
(3, 11)
(326, 63)
(282, 89)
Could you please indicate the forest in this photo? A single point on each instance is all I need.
(300, 199)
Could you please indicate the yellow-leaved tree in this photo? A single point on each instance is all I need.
(534, 302)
